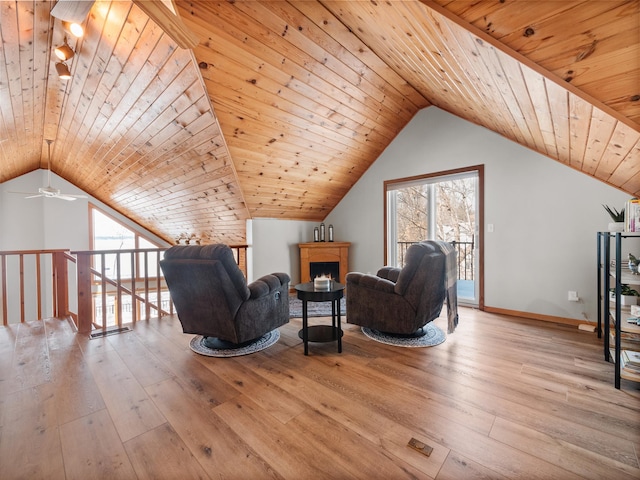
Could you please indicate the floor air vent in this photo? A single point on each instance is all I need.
(113, 331)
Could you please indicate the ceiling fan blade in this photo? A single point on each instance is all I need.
(69, 197)
(35, 195)
(25, 193)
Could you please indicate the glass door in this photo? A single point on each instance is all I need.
(443, 206)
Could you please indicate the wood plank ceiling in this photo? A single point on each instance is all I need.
(283, 105)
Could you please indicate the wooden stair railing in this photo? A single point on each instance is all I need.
(81, 277)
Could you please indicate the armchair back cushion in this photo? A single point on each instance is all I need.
(399, 300)
(212, 298)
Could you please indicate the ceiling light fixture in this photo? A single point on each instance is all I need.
(64, 52)
(74, 28)
(63, 71)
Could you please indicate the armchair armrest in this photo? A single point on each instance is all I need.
(390, 273)
(267, 284)
(370, 281)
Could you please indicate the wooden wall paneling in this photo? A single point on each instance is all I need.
(536, 85)
(532, 134)
(8, 26)
(559, 110)
(575, 40)
(185, 186)
(617, 89)
(580, 112)
(615, 166)
(150, 136)
(164, 164)
(484, 62)
(434, 40)
(364, 60)
(269, 99)
(82, 83)
(632, 183)
(299, 135)
(433, 72)
(252, 54)
(600, 131)
(39, 83)
(115, 82)
(141, 69)
(266, 28)
(382, 44)
(467, 48)
(151, 130)
(115, 45)
(576, 31)
(11, 51)
(305, 36)
(338, 167)
(27, 57)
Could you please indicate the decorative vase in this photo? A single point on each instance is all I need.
(616, 227)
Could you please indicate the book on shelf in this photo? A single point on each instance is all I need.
(632, 215)
(631, 358)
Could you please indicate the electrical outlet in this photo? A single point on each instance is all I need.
(573, 296)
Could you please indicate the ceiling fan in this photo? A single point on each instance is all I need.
(49, 191)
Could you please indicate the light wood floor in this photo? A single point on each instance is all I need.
(500, 399)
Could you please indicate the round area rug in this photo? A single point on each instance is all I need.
(198, 345)
(433, 336)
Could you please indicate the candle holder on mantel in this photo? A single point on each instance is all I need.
(322, 233)
(331, 233)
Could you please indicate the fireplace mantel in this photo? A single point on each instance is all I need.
(323, 252)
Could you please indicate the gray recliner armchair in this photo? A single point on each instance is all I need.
(399, 301)
(212, 298)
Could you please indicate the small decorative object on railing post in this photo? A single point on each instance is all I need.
(322, 238)
(331, 233)
(316, 235)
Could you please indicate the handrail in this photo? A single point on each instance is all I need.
(32, 267)
(464, 254)
(27, 294)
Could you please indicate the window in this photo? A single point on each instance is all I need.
(127, 271)
(108, 234)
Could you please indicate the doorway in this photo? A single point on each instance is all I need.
(443, 206)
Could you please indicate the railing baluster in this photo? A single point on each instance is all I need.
(134, 300)
(92, 306)
(3, 278)
(118, 311)
(464, 250)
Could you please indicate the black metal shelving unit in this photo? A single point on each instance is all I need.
(607, 317)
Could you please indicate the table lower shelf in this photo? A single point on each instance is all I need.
(321, 333)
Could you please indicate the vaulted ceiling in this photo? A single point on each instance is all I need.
(283, 105)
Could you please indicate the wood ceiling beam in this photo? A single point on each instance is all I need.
(170, 22)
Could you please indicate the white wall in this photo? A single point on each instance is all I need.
(545, 215)
(274, 246)
(44, 224)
